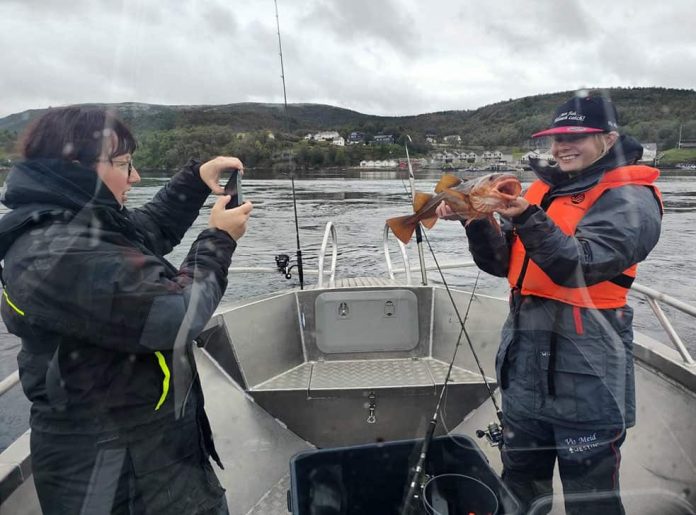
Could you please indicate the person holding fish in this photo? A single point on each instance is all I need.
(569, 247)
(107, 323)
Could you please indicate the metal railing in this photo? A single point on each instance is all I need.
(7, 383)
(329, 231)
(653, 298)
(387, 257)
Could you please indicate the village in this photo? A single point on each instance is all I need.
(451, 153)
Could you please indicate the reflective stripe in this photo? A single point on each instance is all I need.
(12, 304)
(165, 381)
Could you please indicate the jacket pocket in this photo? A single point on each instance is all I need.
(161, 449)
(171, 471)
(580, 390)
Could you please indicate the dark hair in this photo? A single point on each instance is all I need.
(76, 134)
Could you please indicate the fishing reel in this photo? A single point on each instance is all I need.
(284, 266)
(493, 433)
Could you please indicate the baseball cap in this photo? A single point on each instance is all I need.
(583, 115)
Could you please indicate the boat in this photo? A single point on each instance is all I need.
(349, 370)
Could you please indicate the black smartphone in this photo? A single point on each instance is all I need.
(234, 189)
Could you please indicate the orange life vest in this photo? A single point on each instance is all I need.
(566, 212)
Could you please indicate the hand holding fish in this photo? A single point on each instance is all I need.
(476, 198)
(513, 208)
(445, 212)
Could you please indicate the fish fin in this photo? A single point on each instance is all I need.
(420, 200)
(429, 222)
(402, 228)
(447, 181)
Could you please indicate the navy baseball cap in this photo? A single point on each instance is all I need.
(583, 115)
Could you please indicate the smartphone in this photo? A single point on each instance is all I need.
(234, 189)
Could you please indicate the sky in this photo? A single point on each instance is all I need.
(380, 57)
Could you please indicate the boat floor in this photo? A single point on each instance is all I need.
(378, 373)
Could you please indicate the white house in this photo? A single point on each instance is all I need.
(332, 137)
(649, 152)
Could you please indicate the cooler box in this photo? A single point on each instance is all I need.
(372, 479)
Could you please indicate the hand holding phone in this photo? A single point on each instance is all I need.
(234, 189)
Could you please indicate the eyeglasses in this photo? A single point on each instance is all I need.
(569, 138)
(127, 163)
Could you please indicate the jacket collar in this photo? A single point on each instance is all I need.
(55, 182)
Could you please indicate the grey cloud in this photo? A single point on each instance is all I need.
(220, 19)
(523, 27)
(385, 21)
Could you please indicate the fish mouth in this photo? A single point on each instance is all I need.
(509, 188)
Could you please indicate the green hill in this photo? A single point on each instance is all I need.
(167, 133)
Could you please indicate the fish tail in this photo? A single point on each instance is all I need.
(403, 227)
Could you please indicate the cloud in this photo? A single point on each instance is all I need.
(388, 57)
(363, 24)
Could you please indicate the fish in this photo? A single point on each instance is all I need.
(473, 199)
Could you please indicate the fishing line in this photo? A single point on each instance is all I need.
(463, 330)
(291, 170)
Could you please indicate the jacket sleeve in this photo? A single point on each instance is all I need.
(166, 218)
(113, 295)
(489, 246)
(618, 231)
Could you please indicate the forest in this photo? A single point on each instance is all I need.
(258, 133)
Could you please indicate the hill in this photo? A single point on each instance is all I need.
(650, 114)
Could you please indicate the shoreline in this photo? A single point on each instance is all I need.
(355, 172)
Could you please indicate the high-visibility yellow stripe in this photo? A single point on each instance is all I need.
(165, 381)
(12, 304)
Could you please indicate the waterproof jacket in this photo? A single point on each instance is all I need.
(557, 362)
(106, 322)
(566, 212)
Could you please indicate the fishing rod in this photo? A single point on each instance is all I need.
(291, 170)
(411, 499)
(493, 432)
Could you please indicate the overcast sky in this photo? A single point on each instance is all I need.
(385, 57)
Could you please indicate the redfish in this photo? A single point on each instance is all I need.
(476, 198)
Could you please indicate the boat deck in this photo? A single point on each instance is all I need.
(355, 374)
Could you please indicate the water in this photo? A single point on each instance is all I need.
(358, 204)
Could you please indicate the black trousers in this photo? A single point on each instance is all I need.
(588, 462)
(160, 471)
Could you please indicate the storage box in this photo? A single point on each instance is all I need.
(372, 479)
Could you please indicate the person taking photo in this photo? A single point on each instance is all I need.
(107, 323)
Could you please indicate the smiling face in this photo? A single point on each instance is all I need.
(575, 152)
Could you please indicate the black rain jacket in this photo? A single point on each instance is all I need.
(106, 323)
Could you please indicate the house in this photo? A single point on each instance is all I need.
(431, 138)
(453, 139)
(383, 139)
(332, 137)
(356, 138)
(649, 153)
(536, 154)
